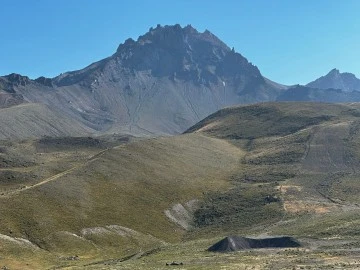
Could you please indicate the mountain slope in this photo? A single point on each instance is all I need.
(166, 81)
(307, 152)
(336, 80)
(109, 202)
(31, 120)
(270, 168)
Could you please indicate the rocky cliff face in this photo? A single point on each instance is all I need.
(162, 83)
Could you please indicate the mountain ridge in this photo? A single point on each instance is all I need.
(161, 84)
(336, 80)
(164, 82)
(305, 93)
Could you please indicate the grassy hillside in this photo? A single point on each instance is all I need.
(309, 150)
(115, 198)
(120, 203)
(270, 119)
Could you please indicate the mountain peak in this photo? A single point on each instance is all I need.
(334, 71)
(183, 53)
(336, 80)
(17, 79)
(161, 83)
(174, 36)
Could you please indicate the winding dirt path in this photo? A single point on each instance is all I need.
(54, 177)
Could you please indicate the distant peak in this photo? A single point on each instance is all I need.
(337, 80)
(17, 79)
(334, 71)
(189, 28)
(177, 27)
(167, 31)
(16, 76)
(175, 34)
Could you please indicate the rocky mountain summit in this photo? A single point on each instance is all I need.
(337, 80)
(333, 87)
(162, 83)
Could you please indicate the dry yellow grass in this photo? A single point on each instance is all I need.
(130, 186)
(112, 205)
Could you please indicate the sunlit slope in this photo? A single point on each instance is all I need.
(316, 137)
(308, 152)
(271, 168)
(270, 119)
(117, 199)
(298, 176)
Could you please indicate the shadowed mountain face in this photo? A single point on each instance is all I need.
(166, 81)
(333, 87)
(304, 93)
(336, 80)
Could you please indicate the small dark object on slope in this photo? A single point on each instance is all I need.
(175, 263)
(72, 258)
(234, 243)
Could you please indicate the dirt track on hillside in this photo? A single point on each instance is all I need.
(54, 177)
(326, 150)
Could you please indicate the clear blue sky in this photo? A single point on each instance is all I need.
(290, 41)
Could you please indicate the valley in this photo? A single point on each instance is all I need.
(122, 202)
(148, 157)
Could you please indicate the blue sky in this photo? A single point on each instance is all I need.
(290, 41)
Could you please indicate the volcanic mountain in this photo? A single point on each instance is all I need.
(162, 83)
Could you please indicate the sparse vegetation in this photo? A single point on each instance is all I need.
(105, 201)
(239, 207)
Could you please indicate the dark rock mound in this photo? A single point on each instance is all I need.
(234, 243)
(174, 263)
